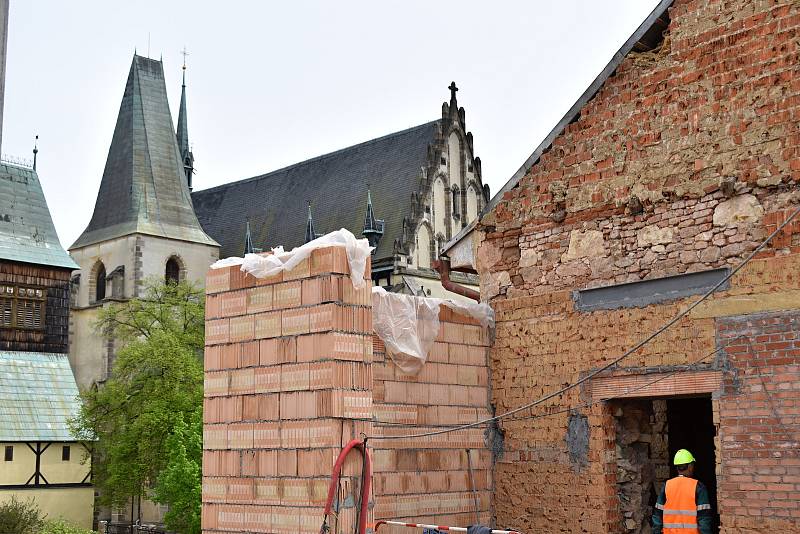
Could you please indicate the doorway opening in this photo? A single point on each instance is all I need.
(648, 433)
(691, 426)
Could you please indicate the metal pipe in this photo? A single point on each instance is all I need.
(442, 266)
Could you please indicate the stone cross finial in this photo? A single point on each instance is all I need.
(453, 90)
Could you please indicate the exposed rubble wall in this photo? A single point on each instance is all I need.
(642, 459)
(294, 372)
(680, 164)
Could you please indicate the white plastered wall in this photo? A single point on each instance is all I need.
(143, 257)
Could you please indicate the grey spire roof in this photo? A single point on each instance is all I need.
(275, 203)
(144, 187)
(182, 135)
(27, 232)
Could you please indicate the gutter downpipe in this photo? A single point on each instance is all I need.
(442, 266)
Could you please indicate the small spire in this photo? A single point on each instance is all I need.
(35, 151)
(182, 132)
(373, 228)
(248, 240)
(185, 53)
(311, 234)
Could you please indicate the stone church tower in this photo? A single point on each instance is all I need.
(143, 225)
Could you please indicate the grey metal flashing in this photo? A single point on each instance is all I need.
(574, 111)
(647, 292)
(460, 235)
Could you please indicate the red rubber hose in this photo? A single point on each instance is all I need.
(366, 478)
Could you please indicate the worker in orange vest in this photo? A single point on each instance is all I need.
(683, 507)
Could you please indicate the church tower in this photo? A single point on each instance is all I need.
(143, 225)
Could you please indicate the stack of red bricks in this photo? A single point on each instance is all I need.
(428, 479)
(287, 382)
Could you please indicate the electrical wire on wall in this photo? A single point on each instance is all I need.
(614, 363)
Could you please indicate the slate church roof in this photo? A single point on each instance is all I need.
(144, 187)
(27, 233)
(336, 184)
(38, 395)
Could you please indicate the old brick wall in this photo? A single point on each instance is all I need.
(759, 413)
(683, 161)
(292, 376)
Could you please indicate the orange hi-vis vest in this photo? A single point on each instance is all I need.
(680, 510)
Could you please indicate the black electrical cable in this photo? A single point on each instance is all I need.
(616, 361)
(593, 402)
(630, 390)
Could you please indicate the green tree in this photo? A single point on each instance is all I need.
(143, 412)
(179, 484)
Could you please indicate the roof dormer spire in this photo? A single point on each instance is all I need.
(35, 151)
(311, 234)
(373, 228)
(248, 240)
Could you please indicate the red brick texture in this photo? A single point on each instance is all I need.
(428, 479)
(293, 372)
(288, 382)
(704, 134)
(759, 419)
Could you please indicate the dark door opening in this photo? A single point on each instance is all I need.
(691, 426)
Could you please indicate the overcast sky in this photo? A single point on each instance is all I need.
(273, 83)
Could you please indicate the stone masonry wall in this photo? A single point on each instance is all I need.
(683, 161)
(294, 372)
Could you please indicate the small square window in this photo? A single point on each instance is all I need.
(65, 453)
(444, 161)
(9, 453)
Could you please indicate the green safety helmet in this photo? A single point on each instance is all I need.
(683, 457)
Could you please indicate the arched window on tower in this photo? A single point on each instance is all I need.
(172, 272)
(100, 284)
(456, 202)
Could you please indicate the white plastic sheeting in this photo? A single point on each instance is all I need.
(409, 325)
(263, 266)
